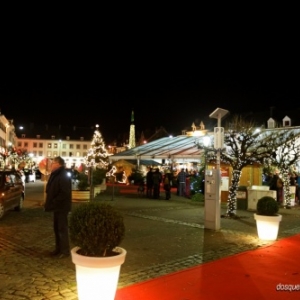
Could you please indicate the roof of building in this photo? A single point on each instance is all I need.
(33, 131)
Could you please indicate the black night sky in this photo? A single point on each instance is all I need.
(166, 90)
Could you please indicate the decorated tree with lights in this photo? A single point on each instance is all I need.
(97, 155)
(245, 144)
(284, 158)
(97, 159)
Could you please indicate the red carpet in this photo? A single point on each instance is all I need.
(253, 274)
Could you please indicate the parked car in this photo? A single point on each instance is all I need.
(12, 191)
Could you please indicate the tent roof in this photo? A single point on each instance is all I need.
(181, 146)
(132, 162)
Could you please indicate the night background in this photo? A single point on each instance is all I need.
(160, 90)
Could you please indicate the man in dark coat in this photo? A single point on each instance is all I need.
(59, 201)
(182, 175)
(149, 183)
(157, 179)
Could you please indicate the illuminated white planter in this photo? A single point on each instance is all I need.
(97, 277)
(267, 226)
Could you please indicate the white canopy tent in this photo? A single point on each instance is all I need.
(181, 149)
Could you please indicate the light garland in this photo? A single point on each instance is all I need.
(245, 146)
(97, 155)
(112, 172)
(284, 157)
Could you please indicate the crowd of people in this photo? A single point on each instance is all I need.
(157, 180)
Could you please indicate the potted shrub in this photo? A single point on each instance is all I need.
(267, 218)
(97, 230)
(82, 192)
(83, 183)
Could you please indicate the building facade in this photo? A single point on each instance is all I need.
(7, 137)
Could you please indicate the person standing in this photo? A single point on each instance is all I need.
(167, 184)
(279, 189)
(149, 183)
(157, 179)
(59, 201)
(182, 182)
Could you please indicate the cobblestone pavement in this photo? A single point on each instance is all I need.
(161, 237)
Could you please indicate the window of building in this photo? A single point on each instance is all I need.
(77, 154)
(41, 145)
(49, 145)
(34, 153)
(25, 145)
(52, 137)
(84, 153)
(64, 146)
(67, 138)
(34, 145)
(84, 146)
(64, 153)
(23, 135)
(70, 154)
(19, 144)
(71, 146)
(49, 153)
(40, 153)
(55, 145)
(77, 146)
(38, 136)
(55, 153)
(81, 138)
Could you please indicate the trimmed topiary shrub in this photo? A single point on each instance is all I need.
(83, 183)
(267, 206)
(96, 228)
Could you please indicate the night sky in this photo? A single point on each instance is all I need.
(172, 95)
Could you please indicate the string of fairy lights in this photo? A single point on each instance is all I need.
(249, 146)
(97, 155)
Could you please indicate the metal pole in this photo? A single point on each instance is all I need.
(113, 189)
(91, 184)
(213, 195)
(218, 151)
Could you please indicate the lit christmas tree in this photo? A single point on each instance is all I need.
(97, 155)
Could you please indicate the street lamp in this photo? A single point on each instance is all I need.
(206, 143)
(218, 114)
(213, 177)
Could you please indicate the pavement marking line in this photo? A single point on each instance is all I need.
(165, 220)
